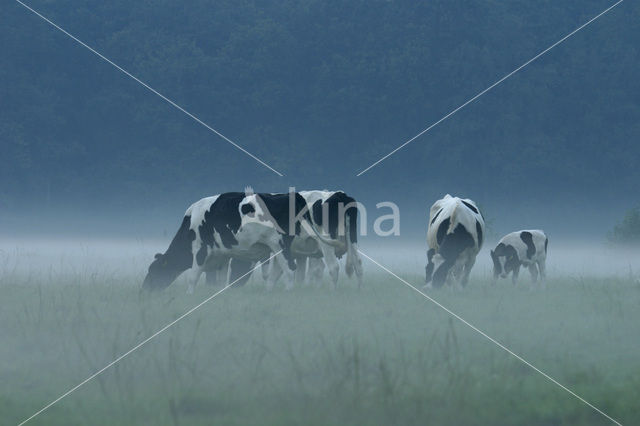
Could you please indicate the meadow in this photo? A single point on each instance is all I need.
(313, 355)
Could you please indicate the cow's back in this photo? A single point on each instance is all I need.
(450, 212)
(530, 244)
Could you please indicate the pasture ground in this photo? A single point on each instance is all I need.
(313, 355)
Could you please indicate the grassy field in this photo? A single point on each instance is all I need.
(380, 355)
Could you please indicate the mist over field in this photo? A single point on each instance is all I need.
(375, 355)
(128, 258)
(97, 171)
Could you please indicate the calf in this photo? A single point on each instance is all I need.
(454, 237)
(522, 248)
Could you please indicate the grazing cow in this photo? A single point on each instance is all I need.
(522, 248)
(454, 237)
(335, 215)
(236, 228)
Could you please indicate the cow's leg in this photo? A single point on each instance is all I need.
(240, 267)
(286, 260)
(514, 276)
(265, 268)
(467, 270)
(453, 279)
(216, 272)
(275, 272)
(279, 266)
(459, 277)
(356, 262)
(316, 268)
(533, 270)
(330, 259)
(211, 277)
(301, 270)
(543, 269)
(193, 277)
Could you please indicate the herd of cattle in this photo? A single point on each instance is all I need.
(294, 234)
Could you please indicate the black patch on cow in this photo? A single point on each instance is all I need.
(285, 244)
(247, 208)
(436, 216)
(429, 268)
(240, 267)
(479, 233)
(316, 212)
(177, 259)
(512, 260)
(527, 238)
(224, 218)
(442, 230)
(456, 242)
(334, 205)
(277, 205)
(452, 246)
(470, 206)
(546, 243)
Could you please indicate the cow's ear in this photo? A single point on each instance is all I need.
(158, 255)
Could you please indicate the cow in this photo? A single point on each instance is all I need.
(526, 248)
(334, 216)
(454, 237)
(233, 228)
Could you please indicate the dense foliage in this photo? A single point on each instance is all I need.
(319, 89)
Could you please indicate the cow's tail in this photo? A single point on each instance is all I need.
(453, 219)
(353, 262)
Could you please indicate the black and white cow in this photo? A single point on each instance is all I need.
(526, 248)
(335, 216)
(240, 228)
(454, 237)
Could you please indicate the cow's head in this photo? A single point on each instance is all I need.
(437, 269)
(505, 260)
(162, 272)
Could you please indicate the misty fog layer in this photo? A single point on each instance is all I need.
(129, 259)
